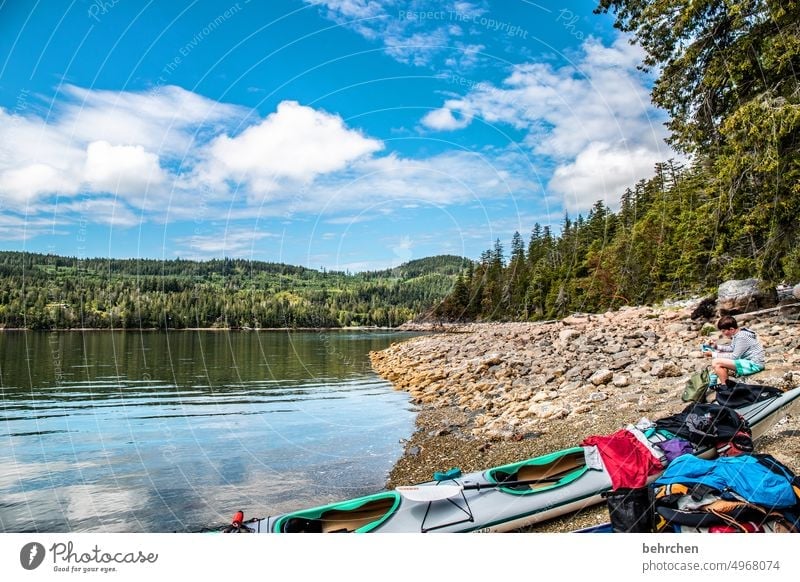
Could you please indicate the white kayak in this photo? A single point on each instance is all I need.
(499, 499)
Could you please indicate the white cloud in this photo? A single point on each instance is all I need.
(418, 48)
(121, 169)
(108, 211)
(390, 183)
(296, 163)
(36, 159)
(167, 120)
(20, 184)
(444, 120)
(296, 142)
(231, 242)
(602, 171)
(591, 117)
(14, 228)
(351, 8)
(417, 32)
(105, 141)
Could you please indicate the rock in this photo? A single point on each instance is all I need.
(796, 291)
(675, 328)
(620, 363)
(743, 295)
(566, 336)
(603, 376)
(508, 380)
(665, 370)
(569, 386)
(619, 380)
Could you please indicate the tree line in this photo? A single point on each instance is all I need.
(728, 76)
(40, 291)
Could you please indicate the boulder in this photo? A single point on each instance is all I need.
(743, 295)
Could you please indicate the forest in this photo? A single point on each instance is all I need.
(729, 78)
(43, 292)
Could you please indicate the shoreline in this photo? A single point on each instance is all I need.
(494, 393)
(234, 329)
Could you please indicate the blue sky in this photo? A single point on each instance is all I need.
(344, 134)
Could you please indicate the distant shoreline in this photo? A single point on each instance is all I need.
(235, 329)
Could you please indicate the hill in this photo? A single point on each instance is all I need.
(45, 291)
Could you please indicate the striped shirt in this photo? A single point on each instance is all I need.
(744, 346)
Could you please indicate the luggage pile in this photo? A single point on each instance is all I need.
(738, 491)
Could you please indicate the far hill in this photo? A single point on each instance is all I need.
(40, 291)
(440, 264)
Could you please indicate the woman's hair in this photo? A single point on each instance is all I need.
(727, 322)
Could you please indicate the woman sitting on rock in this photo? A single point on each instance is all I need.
(744, 355)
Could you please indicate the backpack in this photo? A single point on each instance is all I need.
(631, 510)
(696, 387)
(706, 424)
(737, 394)
(698, 508)
(751, 493)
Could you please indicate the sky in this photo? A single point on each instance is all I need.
(347, 135)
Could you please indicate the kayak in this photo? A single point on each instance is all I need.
(498, 499)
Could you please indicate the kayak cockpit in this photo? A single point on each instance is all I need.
(540, 473)
(358, 515)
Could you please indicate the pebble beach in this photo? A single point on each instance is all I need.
(496, 393)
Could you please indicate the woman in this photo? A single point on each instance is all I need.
(744, 355)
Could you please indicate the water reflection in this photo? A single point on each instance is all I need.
(107, 431)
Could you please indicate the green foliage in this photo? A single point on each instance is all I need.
(666, 241)
(727, 75)
(708, 330)
(48, 291)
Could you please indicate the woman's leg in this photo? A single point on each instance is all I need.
(721, 367)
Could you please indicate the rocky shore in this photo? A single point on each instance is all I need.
(491, 394)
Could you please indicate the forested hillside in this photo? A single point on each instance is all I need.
(47, 292)
(729, 76)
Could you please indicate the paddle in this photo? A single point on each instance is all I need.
(438, 492)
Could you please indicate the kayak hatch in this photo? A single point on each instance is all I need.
(358, 515)
(547, 472)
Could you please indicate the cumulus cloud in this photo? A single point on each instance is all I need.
(35, 159)
(590, 117)
(34, 179)
(105, 141)
(601, 171)
(296, 143)
(443, 119)
(295, 161)
(121, 169)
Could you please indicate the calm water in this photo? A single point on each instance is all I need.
(161, 432)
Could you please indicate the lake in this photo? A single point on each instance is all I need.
(106, 431)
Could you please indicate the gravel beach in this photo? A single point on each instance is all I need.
(490, 394)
